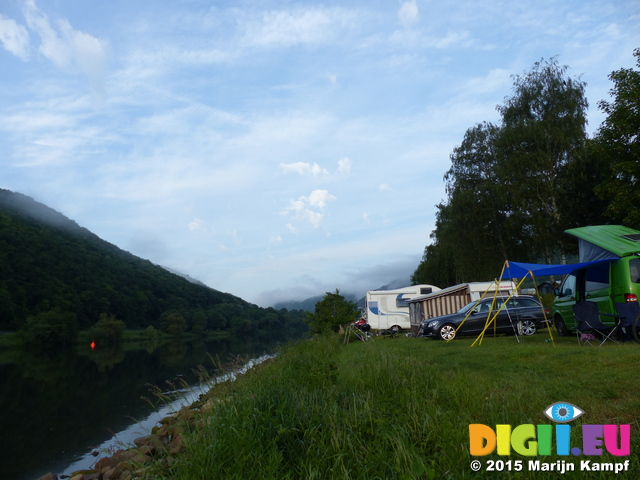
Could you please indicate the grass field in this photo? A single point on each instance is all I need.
(401, 408)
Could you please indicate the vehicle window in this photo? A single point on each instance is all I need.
(634, 269)
(527, 302)
(466, 308)
(483, 307)
(568, 286)
(597, 277)
(402, 302)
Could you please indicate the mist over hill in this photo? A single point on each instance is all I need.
(48, 262)
(309, 304)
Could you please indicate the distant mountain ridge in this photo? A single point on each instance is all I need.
(49, 262)
(309, 304)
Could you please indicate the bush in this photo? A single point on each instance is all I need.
(173, 323)
(52, 328)
(107, 330)
(150, 332)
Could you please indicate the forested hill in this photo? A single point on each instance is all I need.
(49, 263)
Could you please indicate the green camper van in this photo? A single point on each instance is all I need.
(616, 278)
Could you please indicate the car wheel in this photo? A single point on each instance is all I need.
(635, 329)
(527, 327)
(395, 329)
(561, 327)
(448, 332)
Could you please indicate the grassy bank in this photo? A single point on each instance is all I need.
(400, 408)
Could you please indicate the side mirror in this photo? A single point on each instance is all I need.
(556, 292)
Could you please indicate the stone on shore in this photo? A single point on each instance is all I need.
(49, 476)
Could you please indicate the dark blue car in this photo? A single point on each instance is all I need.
(522, 315)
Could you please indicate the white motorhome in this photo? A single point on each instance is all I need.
(389, 309)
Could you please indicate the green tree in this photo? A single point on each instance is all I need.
(173, 323)
(108, 329)
(54, 328)
(331, 312)
(543, 128)
(478, 228)
(507, 185)
(579, 203)
(199, 322)
(618, 141)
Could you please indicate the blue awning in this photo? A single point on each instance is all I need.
(521, 270)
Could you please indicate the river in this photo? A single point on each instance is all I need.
(57, 407)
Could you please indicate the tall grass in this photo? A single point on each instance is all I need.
(400, 408)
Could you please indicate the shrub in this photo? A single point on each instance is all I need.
(107, 330)
(54, 327)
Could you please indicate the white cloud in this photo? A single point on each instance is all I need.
(218, 115)
(498, 79)
(319, 198)
(196, 225)
(309, 209)
(344, 165)
(408, 13)
(67, 47)
(14, 37)
(454, 39)
(303, 168)
(276, 240)
(289, 28)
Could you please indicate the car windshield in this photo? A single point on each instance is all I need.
(467, 307)
(485, 305)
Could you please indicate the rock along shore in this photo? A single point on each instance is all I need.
(158, 449)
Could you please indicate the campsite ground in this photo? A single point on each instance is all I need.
(401, 408)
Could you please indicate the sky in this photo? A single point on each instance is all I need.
(275, 150)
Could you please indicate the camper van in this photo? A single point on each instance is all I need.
(613, 278)
(389, 309)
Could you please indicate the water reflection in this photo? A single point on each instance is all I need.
(55, 406)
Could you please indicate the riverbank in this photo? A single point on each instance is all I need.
(61, 404)
(394, 408)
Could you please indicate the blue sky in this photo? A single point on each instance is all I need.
(273, 149)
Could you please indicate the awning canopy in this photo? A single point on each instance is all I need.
(440, 293)
(521, 270)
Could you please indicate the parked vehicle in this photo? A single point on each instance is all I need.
(615, 279)
(522, 315)
(388, 310)
(451, 299)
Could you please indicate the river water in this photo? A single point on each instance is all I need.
(57, 407)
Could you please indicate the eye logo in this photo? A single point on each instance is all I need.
(563, 412)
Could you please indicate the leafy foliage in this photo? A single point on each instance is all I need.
(513, 188)
(331, 312)
(107, 330)
(49, 263)
(54, 327)
(173, 323)
(618, 140)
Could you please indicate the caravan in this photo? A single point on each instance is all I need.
(389, 309)
(613, 278)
